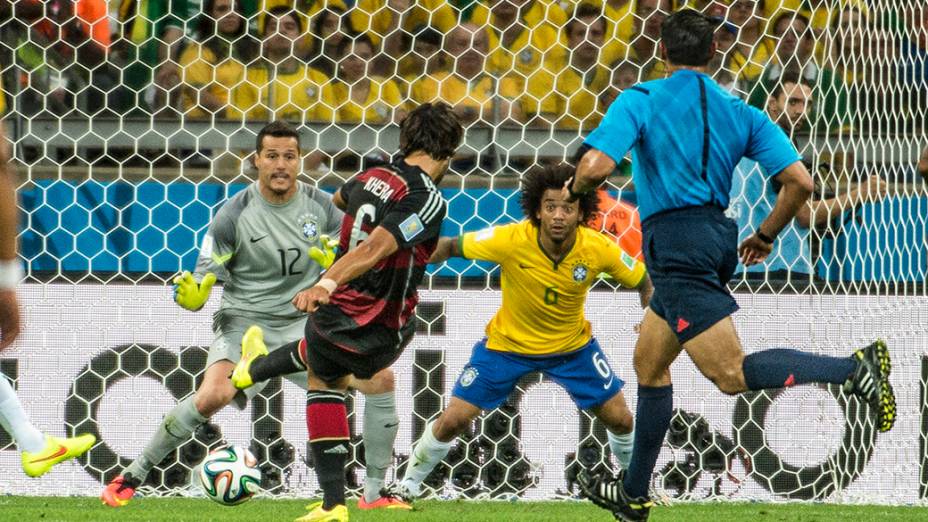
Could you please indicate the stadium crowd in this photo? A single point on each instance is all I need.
(524, 62)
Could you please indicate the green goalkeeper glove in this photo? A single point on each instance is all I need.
(190, 295)
(325, 256)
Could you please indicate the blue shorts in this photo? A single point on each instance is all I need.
(490, 376)
(691, 254)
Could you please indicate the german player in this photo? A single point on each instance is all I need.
(266, 243)
(362, 310)
(39, 452)
(687, 134)
(548, 261)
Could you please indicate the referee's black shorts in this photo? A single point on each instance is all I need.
(691, 254)
(336, 346)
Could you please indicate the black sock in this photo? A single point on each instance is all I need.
(327, 423)
(281, 361)
(783, 367)
(652, 418)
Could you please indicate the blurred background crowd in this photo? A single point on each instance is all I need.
(498, 62)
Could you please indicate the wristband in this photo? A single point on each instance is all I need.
(764, 237)
(11, 272)
(329, 284)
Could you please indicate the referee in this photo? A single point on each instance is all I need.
(686, 135)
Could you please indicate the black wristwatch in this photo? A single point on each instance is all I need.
(764, 237)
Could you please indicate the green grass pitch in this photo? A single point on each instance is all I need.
(73, 509)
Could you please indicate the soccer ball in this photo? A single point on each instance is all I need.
(229, 476)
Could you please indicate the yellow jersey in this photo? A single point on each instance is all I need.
(569, 98)
(620, 26)
(535, 47)
(200, 70)
(454, 90)
(291, 95)
(374, 17)
(383, 98)
(306, 9)
(541, 11)
(542, 310)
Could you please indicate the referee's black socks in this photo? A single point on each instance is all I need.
(784, 367)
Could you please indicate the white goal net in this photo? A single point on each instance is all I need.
(132, 126)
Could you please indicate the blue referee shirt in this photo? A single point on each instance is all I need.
(687, 134)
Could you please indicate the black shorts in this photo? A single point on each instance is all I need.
(691, 254)
(336, 346)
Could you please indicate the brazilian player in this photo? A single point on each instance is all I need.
(39, 452)
(687, 134)
(258, 243)
(549, 261)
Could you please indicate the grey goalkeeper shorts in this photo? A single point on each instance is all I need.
(228, 329)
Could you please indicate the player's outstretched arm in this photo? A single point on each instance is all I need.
(447, 247)
(819, 213)
(797, 187)
(378, 245)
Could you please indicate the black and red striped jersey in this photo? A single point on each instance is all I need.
(405, 201)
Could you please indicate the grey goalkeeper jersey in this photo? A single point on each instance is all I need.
(260, 250)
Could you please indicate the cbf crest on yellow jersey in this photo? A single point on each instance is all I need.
(542, 310)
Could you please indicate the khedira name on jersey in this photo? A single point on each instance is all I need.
(379, 188)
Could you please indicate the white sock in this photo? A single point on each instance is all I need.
(15, 422)
(426, 454)
(621, 446)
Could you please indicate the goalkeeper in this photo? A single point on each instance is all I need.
(267, 243)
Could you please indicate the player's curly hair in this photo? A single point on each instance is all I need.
(543, 177)
(432, 128)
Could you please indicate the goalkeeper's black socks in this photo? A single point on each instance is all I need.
(655, 407)
(783, 367)
(327, 422)
(282, 361)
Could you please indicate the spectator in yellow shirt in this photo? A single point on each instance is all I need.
(354, 95)
(620, 26)
(521, 37)
(534, 12)
(306, 10)
(752, 50)
(330, 28)
(215, 63)
(820, 12)
(650, 16)
(424, 58)
(279, 86)
(386, 21)
(849, 34)
(624, 75)
(568, 98)
(474, 94)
